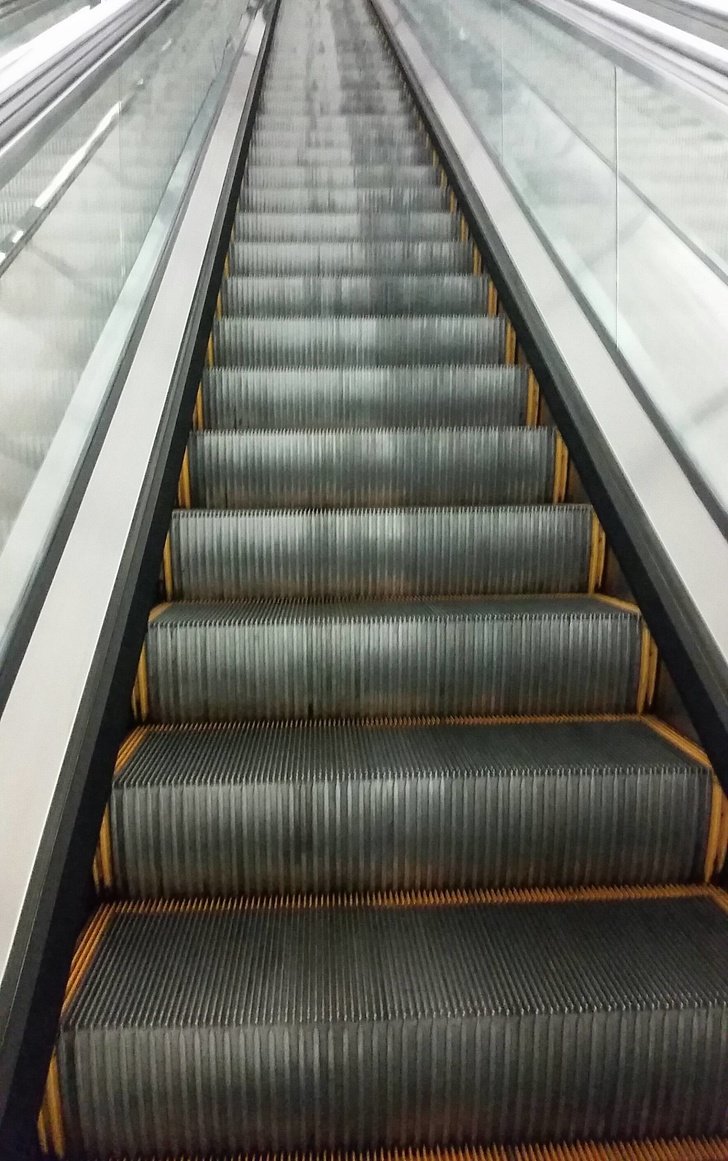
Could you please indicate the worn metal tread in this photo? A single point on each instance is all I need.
(269, 659)
(393, 294)
(300, 808)
(330, 397)
(335, 1025)
(371, 467)
(380, 552)
(357, 341)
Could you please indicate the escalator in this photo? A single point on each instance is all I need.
(397, 856)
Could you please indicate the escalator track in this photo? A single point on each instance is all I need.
(397, 856)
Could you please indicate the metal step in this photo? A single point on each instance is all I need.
(269, 660)
(341, 200)
(363, 153)
(357, 1027)
(371, 467)
(274, 809)
(340, 176)
(340, 258)
(350, 397)
(313, 134)
(357, 341)
(380, 553)
(395, 294)
(312, 227)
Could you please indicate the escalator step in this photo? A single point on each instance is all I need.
(354, 123)
(341, 200)
(322, 258)
(347, 176)
(272, 659)
(371, 467)
(447, 396)
(380, 553)
(362, 153)
(309, 227)
(358, 1027)
(299, 808)
(357, 341)
(394, 294)
(379, 101)
(336, 134)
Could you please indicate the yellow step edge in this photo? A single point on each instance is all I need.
(533, 399)
(675, 1149)
(184, 491)
(561, 468)
(511, 345)
(400, 900)
(648, 671)
(597, 555)
(167, 568)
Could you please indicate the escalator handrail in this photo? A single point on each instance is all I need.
(45, 83)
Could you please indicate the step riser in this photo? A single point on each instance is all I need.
(355, 296)
(357, 342)
(229, 556)
(356, 228)
(371, 469)
(364, 397)
(299, 668)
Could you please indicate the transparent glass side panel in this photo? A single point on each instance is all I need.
(559, 148)
(672, 273)
(74, 220)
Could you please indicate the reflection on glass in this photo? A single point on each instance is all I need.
(626, 180)
(73, 220)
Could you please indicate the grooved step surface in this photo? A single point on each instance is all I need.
(338, 176)
(267, 227)
(351, 807)
(371, 468)
(366, 257)
(359, 1027)
(385, 552)
(356, 341)
(342, 200)
(385, 295)
(288, 659)
(331, 397)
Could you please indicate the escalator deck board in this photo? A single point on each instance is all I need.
(335, 1026)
